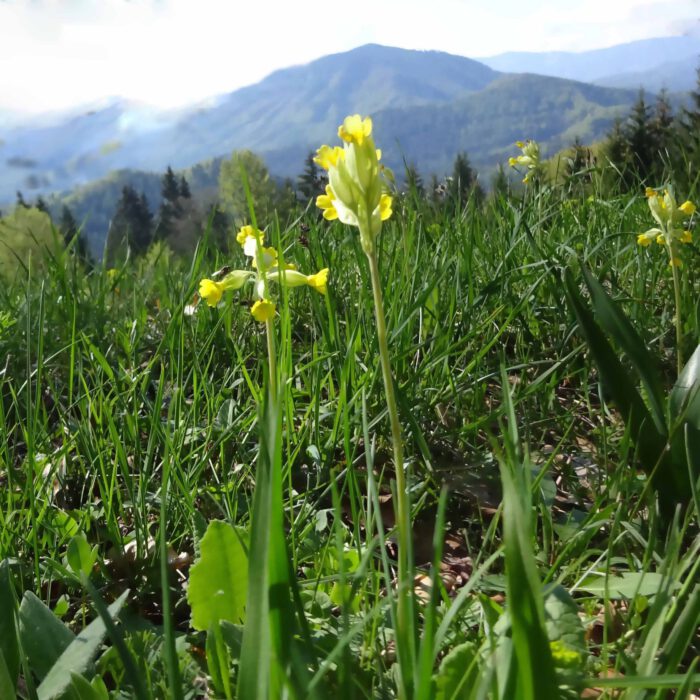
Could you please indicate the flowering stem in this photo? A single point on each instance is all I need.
(679, 327)
(271, 357)
(402, 506)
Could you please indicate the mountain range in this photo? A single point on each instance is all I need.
(426, 105)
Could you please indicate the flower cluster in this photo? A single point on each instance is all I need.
(354, 193)
(671, 220)
(265, 269)
(529, 158)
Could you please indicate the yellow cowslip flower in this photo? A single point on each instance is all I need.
(319, 281)
(263, 310)
(670, 219)
(688, 208)
(268, 258)
(355, 129)
(211, 291)
(327, 157)
(293, 278)
(354, 194)
(247, 232)
(327, 203)
(385, 210)
(529, 158)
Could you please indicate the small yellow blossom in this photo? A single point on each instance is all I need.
(328, 157)
(319, 281)
(268, 258)
(385, 209)
(327, 203)
(263, 310)
(247, 232)
(670, 218)
(354, 129)
(688, 208)
(529, 158)
(211, 291)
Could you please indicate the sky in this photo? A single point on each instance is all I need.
(60, 54)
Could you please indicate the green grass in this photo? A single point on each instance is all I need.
(125, 419)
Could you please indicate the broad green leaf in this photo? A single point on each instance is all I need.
(219, 579)
(670, 483)
(627, 585)
(458, 673)
(80, 556)
(685, 395)
(78, 655)
(80, 688)
(7, 681)
(563, 622)
(618, 326)
(8, 624)
(44, 637)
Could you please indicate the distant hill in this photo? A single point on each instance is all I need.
(607, 66)
(674, 76)
(427, 106)
(300, 103)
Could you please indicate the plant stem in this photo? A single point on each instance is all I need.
(404, 612)
(679, 326)
(271, 357)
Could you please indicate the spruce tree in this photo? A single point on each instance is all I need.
(184, 188)
(20, 201)
(463, 184)
(309, 181)
(131, 226)
(170, 208)
(639, 143)
(41, 205)
(71, 234)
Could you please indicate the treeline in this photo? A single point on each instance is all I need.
(651, 145)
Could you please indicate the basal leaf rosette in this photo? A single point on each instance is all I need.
(355, 192)
(266, 269)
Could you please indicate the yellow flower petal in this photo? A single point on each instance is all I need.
(248, 232)
(354, 129)
(385, 209)
(661, 239)
(263, 310)
(268, 258)
(649, 192)
(643, 239)
(675, 262)
(328, 157)
(327, 203)
(319, 280)
(686, 237)
(211, 291)
(512, 161)
(688, 208)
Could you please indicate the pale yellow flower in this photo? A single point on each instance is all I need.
(211, 291)
(263, 310)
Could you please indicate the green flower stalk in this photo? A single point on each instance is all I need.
(672, 231)
(355, 196)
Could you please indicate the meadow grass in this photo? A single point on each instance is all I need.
(543, 565)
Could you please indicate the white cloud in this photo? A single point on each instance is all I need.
(59, 53)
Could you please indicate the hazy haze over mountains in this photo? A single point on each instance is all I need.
(427, 106)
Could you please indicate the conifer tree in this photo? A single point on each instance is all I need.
(170, 209)
(71, 234)
(463, 184)
(185, 192)
(310, 184)
(131, 226)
